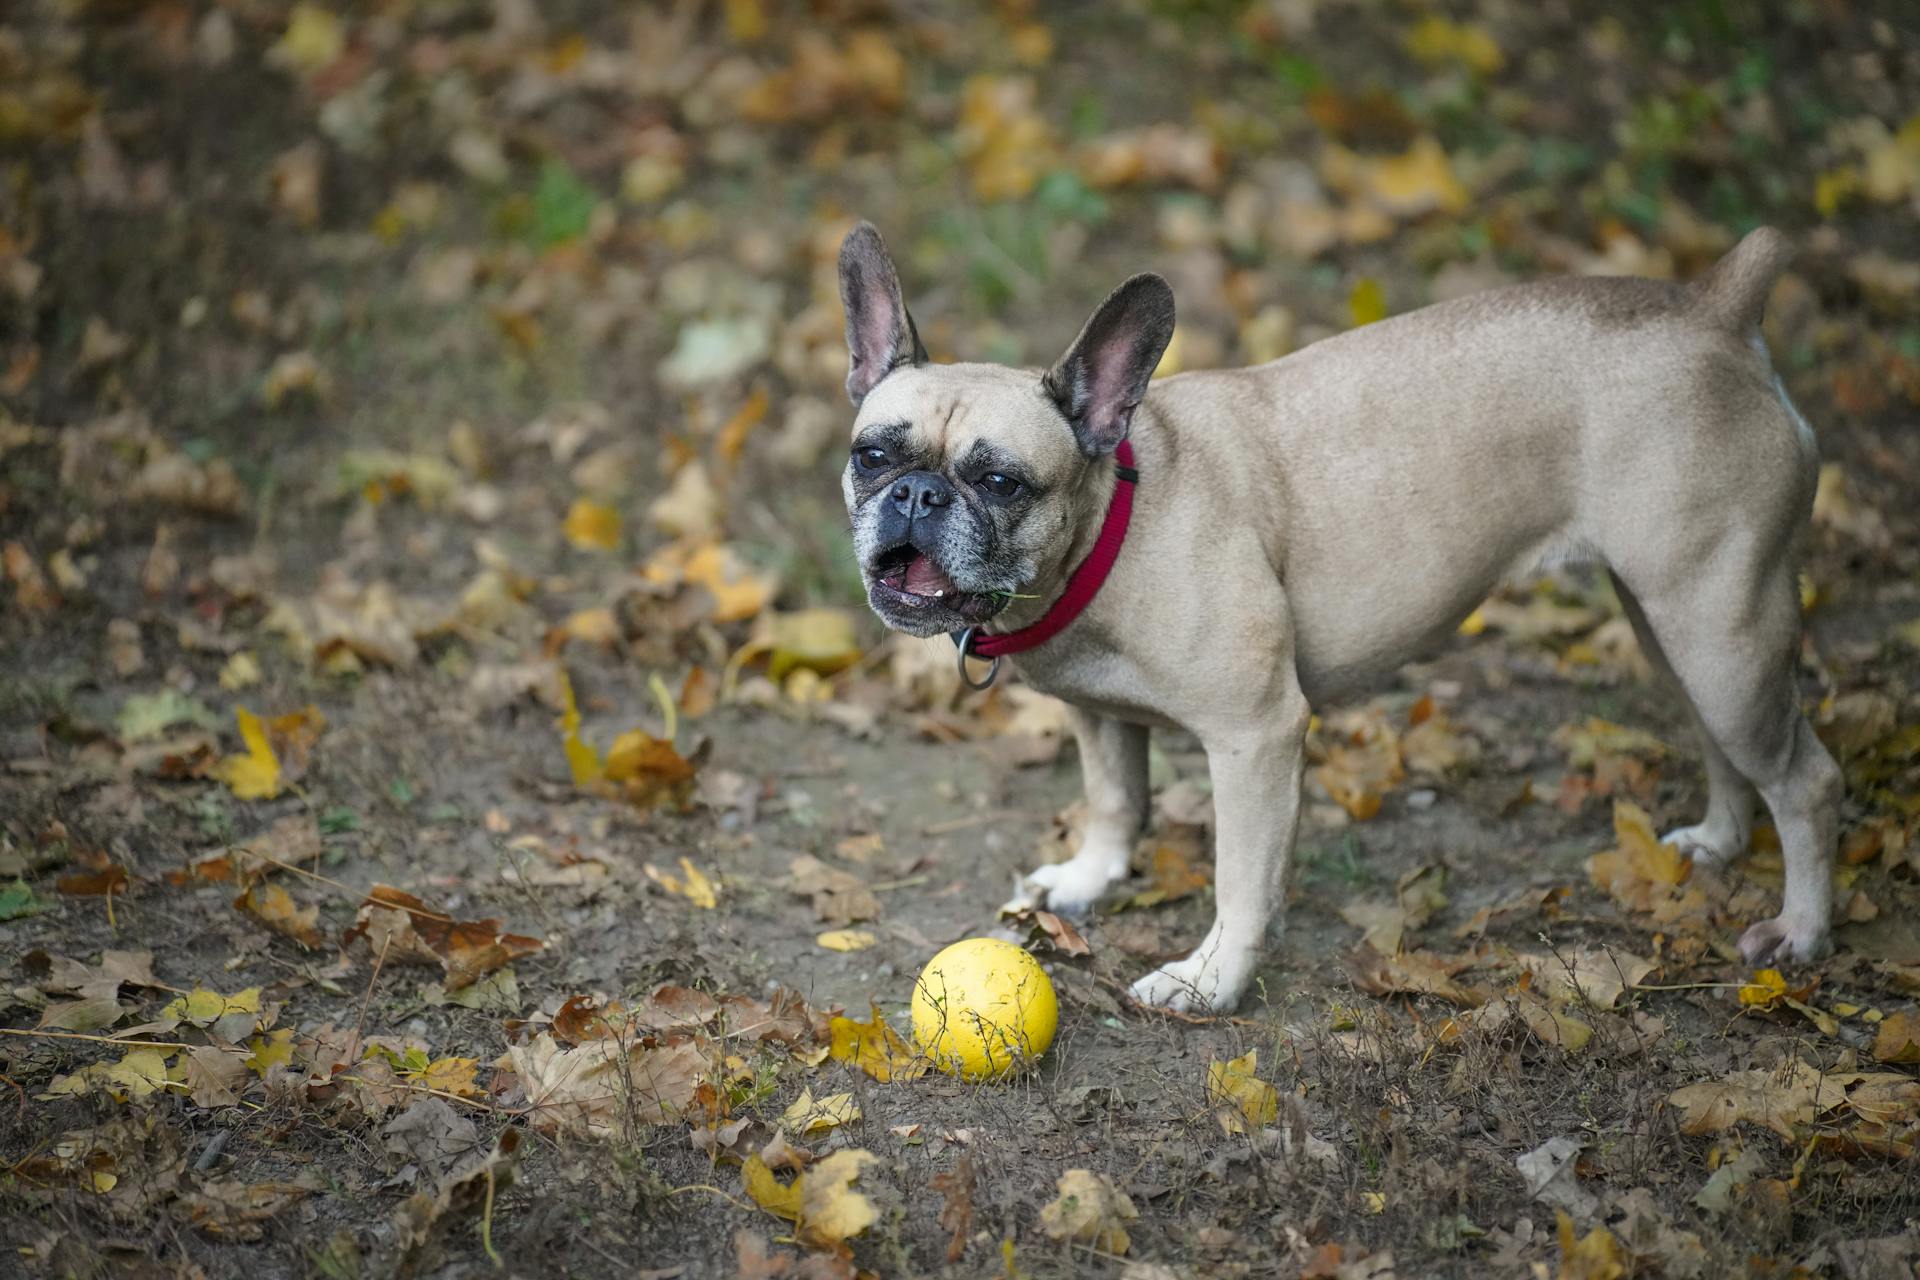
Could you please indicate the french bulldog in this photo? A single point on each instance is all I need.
(1301, 528)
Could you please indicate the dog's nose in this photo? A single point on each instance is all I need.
(920, 493)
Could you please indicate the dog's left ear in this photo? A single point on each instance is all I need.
(880, 333)
(1104, 375)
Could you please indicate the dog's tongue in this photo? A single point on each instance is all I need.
(925, 579)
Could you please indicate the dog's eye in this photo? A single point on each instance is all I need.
(998, 485)
(870, 459)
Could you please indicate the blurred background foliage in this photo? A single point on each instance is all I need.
(571, 252)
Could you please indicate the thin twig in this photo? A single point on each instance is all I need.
(348, 889)
(353, 1045)
(486, 1222)
(701, 1186)
(137, 1044)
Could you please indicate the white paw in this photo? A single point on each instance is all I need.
(1705, 844)
(1202, 983)
(1066, 888)
(1782, 940)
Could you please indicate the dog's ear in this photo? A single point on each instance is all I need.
(880, 333)
(1101, 379)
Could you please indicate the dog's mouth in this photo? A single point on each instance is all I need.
(907, 584)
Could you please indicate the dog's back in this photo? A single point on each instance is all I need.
(1594, 404)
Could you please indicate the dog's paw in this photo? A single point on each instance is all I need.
(1781, 940)
(1065, 888)
(1705, 844)
(1193, 985)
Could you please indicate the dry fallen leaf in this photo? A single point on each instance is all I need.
(402, 927)
(875, 1048)
(1241, 1100)
(691, 884)
(274, 907)
(592, 526)
(1594, 1256)
(1645, 875)
(810, 1115)
(254, 774)
(1090, 1209)
(603, 1085)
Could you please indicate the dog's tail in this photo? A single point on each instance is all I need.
(1734, 291)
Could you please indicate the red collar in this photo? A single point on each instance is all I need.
(1082, 586)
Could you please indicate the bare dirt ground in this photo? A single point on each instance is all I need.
(438, 722)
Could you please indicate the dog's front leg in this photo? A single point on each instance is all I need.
(1113, 765)
(1256, 772)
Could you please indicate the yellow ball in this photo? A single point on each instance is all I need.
(981, 1006)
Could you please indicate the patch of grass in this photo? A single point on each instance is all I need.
(1342, 862)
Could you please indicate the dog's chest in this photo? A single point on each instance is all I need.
(1098, 680)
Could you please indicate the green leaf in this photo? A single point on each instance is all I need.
(148, 715)
(17, 900)
(562, 205)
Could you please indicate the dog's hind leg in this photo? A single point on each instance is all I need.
(1728, 628)
(1722, 835)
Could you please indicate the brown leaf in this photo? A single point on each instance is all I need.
(105, 878)
(956, 1188)
(425, 1217)
(274, 907)
(234, 1210)
(1898, 1039)
(1413, 972)
(839, 897)
(400, 925)
(215, 1076)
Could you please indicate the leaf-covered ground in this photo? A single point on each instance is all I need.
(455, 813)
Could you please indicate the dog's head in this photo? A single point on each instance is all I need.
(967, 482)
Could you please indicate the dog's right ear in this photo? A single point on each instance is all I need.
(1101, 379)
(880, 333)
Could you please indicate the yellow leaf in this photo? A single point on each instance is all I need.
(1435, 40)
(781, 1199)
(256, 774)
(691, 884)
(1241, 1100)
(738, 592)
(875, 1048)
(595, 626)
(140, 1073)
(810, 1115)
(731, 439)
(591, 526)
(820, 640)
(137, 1075)
(313, 40)
(1835, 188)
(1475, 623)
(1368, 302)
(451, 1075)
(241, 672)
(846, 939)
(201, 1007)
(830, 1209)
(582, 760)
(1767, 989)
(1594, 1256)
(1374, 1201)
(101, 1182)
(275, 1049)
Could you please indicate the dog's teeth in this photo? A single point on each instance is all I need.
(938, 592)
